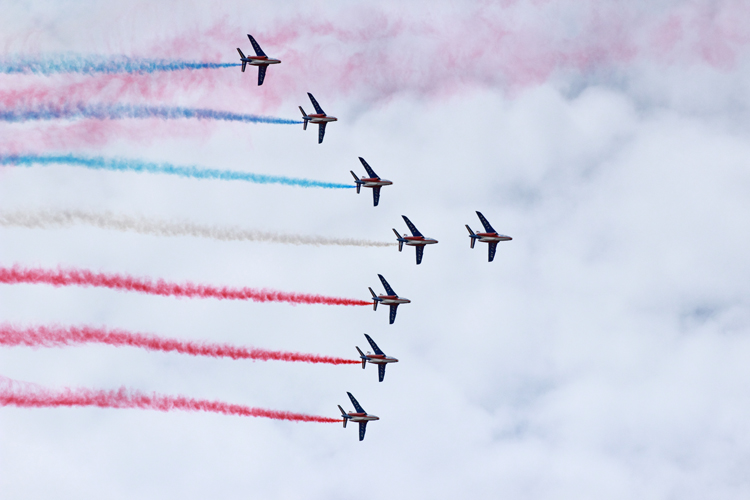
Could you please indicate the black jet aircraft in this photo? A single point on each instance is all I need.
(373, 181)
(320, 117)
(391, 299)
(489, 236)
(360, 416)
(379, 358)
(261, 60)
(415, 240)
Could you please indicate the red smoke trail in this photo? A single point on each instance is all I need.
(84, 277)
(57, 336)
(23, 396)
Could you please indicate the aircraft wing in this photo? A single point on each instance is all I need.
(387, 287)
(258, 50)
(315, 104)
(485, 223)
(374, 345)
(381, 372)
(394, 308)
(412, 227)
(369, 170)
(321, 131)
(492, 249)
(420, 252)
(261, 74)
(375, 196)
(357, 406)
(362, 429)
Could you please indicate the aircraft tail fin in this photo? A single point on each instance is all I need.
(362, 355)
(242, 56)
(304, 118)
(375, 299)
(400, 243)
(343, 414)
(356, 179)
(471, 234)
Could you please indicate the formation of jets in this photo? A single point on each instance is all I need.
(417, 239)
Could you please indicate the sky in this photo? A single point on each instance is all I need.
(603, 354)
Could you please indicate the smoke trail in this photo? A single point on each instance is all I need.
(125, 165)
(84, 277)
(107, 220)
(69, 63)
(57, 336)
(27, 396)
(121, 111)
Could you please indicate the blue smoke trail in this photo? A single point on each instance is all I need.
(120, 111)
(122, 165)
(71, 63)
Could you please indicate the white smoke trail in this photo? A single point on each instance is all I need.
(45, 219)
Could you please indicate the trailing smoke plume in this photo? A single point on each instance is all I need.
(127, 165)
(71, 63)
(44, 219)
(59, 336)
(122, 111)
(84, 277)
(29, 396)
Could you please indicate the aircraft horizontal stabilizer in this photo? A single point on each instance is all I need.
(471, 234)
(400, 242)
(343, 414)
(362, 355)
(356, 180)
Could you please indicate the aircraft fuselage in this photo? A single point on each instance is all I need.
(260, 60)
(361, 417)
(320, 118)
(492, 237)
(388, 300)
(416, 241)
(374, 182)
(380, 359)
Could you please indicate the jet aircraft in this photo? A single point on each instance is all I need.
(416, 240)
(261, 60)
(391, 299)
(489, 236)
(360, 416)
(379, 358)
(320, 117)
(373, 182)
